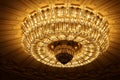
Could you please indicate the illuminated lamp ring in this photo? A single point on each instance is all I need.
(47, 25)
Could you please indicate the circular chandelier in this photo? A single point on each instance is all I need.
(65, 35)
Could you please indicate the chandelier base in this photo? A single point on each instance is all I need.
(64, 50)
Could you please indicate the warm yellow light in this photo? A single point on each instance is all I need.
(65, 22)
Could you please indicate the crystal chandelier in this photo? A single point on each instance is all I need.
(65, 35)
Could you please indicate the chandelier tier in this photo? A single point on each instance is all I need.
(65, 35)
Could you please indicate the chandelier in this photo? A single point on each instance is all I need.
(65, 35)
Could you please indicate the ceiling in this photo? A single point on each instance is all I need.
(16, 64)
